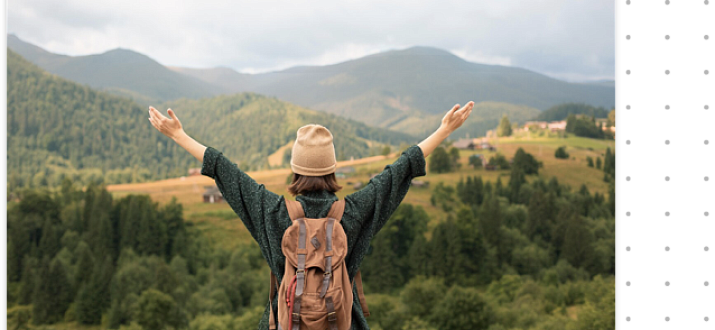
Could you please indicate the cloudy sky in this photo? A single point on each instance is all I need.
(566, 39)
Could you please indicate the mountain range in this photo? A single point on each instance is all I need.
(60, 129)
(404, 90)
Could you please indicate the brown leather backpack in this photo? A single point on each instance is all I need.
(315, 292)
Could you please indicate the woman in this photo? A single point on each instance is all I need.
(313, 163)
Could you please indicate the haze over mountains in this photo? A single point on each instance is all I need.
(405, 90)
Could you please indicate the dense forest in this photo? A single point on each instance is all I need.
(530, 253)
(59, 129)
(562, 111)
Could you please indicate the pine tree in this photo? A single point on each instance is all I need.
(156, 310)
(440, 161)
(578, 243)
(53, 293)
(85, 263)
(14, 262)
(29, 280)
(540, 216)
(490, 221)
(175, 230)
(381, 265)
(499, 188)
(516, 180)
(50, 241)
(504, 128)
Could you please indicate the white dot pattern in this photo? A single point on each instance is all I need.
(685, 117)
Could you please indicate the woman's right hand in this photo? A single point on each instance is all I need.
(455, 117)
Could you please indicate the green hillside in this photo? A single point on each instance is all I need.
(57, 129)
(250, 127)
(118, 71)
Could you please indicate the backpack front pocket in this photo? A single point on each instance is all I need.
(312, 302)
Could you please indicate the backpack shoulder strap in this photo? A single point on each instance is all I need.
(361, 295)
(336, 211)
(271, 294)
(295, 210)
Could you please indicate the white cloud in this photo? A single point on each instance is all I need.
(556, 36)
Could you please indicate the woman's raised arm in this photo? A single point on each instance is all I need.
(454, 118)
(171, 127)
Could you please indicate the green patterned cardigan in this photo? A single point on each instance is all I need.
(265, 215)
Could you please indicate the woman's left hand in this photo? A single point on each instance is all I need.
(170, 127)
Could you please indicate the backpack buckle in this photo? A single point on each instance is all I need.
(300, 271)
(296, 317)
(331, 316)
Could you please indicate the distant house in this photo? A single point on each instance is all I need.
(346, 169)
(556, 126)
(212, 195)
(535, 124)
(419, 184)
(344, 172)
(464, 144)
(612, 128)
(485, 146)
(194, 171)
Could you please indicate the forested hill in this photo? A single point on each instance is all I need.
(119, 71)
(58, 128)
(250, 127)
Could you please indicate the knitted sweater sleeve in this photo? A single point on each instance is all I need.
(251, 201)
(380, 197)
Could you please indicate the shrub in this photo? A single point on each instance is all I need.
(561, 153)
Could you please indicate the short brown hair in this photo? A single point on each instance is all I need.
(302, 184)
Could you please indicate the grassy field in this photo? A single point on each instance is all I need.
(220, 223)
